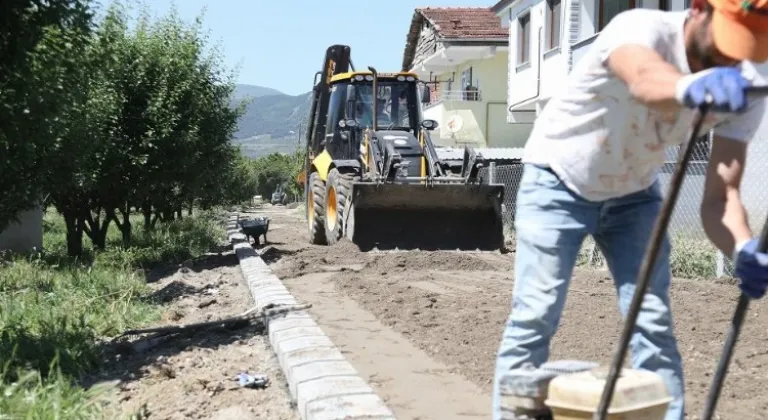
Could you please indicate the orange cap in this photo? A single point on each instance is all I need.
(740, 28)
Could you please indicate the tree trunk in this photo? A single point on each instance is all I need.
(99, 237)
(189, 209)
(179, 214)
(96, 229)
(127, 227)
(146, 210)
(74, 233)
(124, 225)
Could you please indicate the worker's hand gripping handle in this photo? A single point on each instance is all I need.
(757, 91)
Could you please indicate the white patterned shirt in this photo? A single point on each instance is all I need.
(599, 140)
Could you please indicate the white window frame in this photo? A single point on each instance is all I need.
(548, 16)
(520, 43)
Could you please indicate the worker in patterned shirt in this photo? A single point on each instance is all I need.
(591, 166)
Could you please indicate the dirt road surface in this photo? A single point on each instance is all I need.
(193, 377)
(423, 327)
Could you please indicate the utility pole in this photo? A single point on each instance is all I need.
(298, 140)
(298, 147)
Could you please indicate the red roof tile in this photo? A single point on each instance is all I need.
(464, 22)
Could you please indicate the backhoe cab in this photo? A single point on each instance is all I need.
(374, 175)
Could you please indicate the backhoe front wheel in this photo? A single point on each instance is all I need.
(316, 210)
(337, 190)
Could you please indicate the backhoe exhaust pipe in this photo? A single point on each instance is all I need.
(375, 88)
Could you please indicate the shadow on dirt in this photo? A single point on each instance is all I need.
(129, 361)
(175, 290)
(217, 258)
(271, 255)
(263, 245)
(151, 354)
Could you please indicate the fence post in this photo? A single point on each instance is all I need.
(492, 173)
(720, 264)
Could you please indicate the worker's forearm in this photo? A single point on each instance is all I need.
(656, 85)
(725, 223)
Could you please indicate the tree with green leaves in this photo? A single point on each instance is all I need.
(40, 49)
(155, 127)
(92, 130)
(278, 169)
(112, 118)
(191, 119)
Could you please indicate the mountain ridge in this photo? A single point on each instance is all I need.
(271, 121)
(243, 90)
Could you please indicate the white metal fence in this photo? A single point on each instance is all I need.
(693, 255)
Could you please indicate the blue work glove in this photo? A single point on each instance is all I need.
(725, 85)
(751, 267)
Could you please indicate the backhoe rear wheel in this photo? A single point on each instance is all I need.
(337, 190)
(316, 210)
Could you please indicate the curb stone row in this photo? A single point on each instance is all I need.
(322, 383)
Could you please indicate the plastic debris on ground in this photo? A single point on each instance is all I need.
(252, 381)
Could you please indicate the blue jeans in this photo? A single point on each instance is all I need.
(551, 223)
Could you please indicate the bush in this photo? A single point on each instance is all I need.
(52, 398)
(54, 310)
(694, 259)
(171, 242)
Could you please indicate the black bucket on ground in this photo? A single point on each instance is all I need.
(446, 216)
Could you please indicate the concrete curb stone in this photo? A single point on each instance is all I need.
(323, 384)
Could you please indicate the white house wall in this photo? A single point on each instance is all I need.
(518, 128)
(524, 88)
(522, 81)
(472, 115)
(554, 69)
(479, 126)
(588, 17)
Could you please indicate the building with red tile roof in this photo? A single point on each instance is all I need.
(461, 52)
(478, 25)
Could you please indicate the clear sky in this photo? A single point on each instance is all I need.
(281, 43)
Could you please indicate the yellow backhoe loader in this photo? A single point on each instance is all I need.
(374, 175)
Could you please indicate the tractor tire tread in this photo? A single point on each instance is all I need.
(343, 184)
(317, 230)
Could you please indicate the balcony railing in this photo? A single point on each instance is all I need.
(460, 95)
(441, 96)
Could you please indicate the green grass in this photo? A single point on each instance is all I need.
(33, 397)
(693, 259)
(54, 311)
(172, 243)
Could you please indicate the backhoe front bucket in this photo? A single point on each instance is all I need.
(446, 216)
